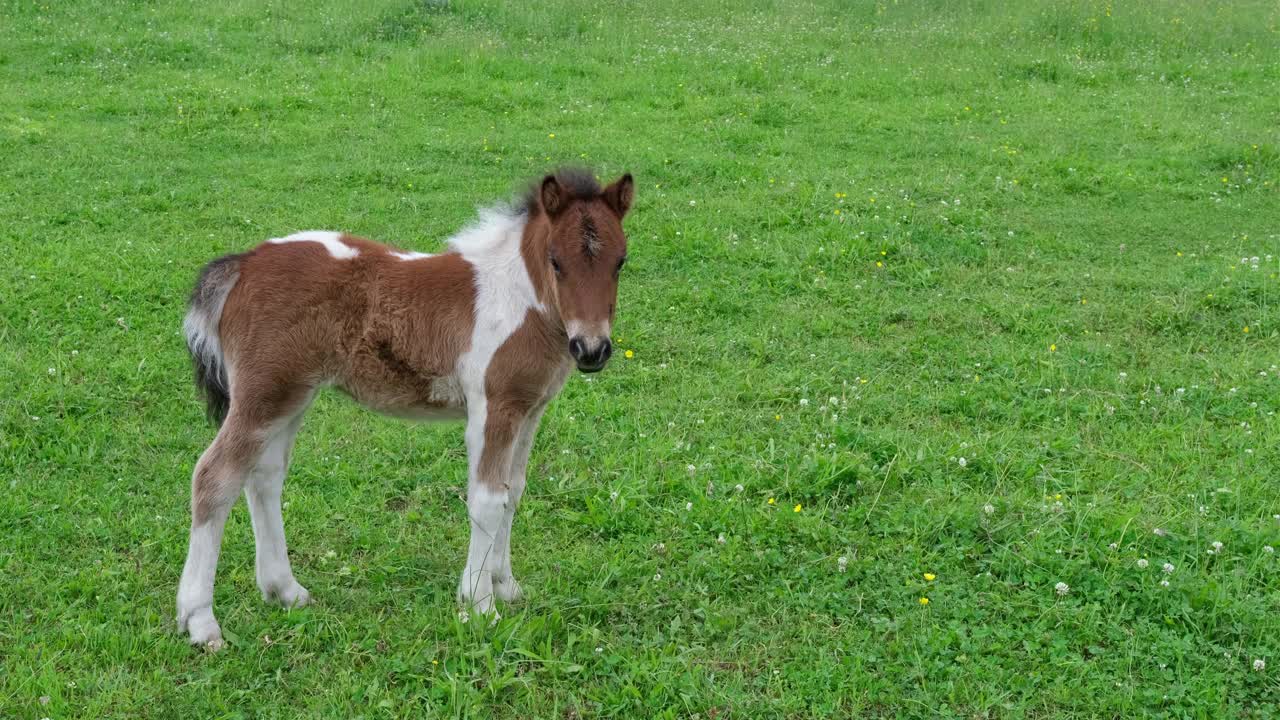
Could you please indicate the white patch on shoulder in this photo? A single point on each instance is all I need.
(332, 241)
(412, 255)
(504, 292)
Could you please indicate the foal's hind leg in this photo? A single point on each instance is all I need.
(255, 420)
(216, 482)
(262, 492)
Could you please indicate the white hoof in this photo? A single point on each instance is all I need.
(202, 628)
(508, 590)
(475, 592)
(287, 595)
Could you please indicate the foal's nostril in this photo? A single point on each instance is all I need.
(606, 349)
(576, 348)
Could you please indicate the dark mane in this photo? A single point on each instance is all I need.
(579, 181)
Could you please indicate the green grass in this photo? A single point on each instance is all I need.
(870, 239)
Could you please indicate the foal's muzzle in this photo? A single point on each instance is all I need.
(591, 353)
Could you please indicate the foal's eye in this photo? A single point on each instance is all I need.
(555, 265)
(618, 269)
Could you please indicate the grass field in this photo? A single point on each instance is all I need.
(955, 345)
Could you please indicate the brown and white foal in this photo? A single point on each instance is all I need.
(487, 331)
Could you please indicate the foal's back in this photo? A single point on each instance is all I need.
(384, 325)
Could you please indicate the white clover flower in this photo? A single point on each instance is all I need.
(53, 371)
(721, 539)
(1268, 549)
(692, 469)
(1062, 588)
(657, 577)
(1167, 568)
(613, 495)
(688, 506)
(599, 650)
(1142, 563)
(737, 488)
(804, 402)
(988, 508)
(842, 563)
(1164, 583)
(1159, 532)
(1259, 665)
(962, 462)
(1217, 547)
(1113, 546)
(833, 400)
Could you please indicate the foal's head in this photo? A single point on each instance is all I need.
(586, 249)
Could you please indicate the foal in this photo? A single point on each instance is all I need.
(487, 331)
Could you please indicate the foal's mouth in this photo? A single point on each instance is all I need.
(593, 368)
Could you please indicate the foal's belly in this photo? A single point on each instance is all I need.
(419, 398)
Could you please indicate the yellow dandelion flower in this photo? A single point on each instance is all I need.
(797, 508)
(879, 264)
(837, 211)
(930, 577)
(551, 135)
(884, 252)
(1053, 347)
(924, 601)
(1084, 301)
(772, 501)
(873, 199)
(977, 378)
(1179, 253)
(1246, 328)
(777, 417)
(628, 354)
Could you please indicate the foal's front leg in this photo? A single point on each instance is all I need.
(504, 581)
(491, 434)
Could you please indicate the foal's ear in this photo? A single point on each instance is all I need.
(553, 196)
(619, 195)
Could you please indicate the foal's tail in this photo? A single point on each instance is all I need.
(201, 328)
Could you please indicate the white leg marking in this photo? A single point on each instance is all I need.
(332, 241)
(195, 590)
(487, 510)
(262, 492)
